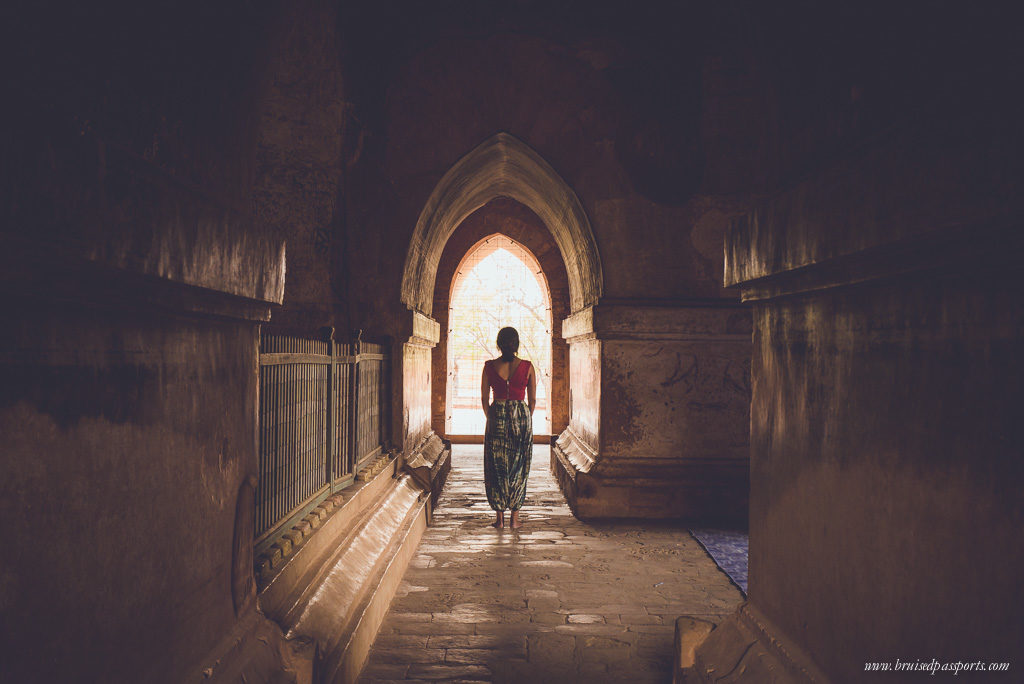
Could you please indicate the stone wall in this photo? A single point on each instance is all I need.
(885, 473)
(300, 164)
(136, 277)
(130, 433)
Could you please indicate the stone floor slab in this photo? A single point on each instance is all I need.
(558, 600)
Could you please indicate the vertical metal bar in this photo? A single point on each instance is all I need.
(313, 473)
(320, 471)
(340, 436)
(271, 439)
(294, 490)
(330, 413)
(298, 486)
(259, 447)
(303, 444)
(261, 510)
(272, 483)
(260, 485)
(326, 467)
(307, 396)
(282, 453)
(357, 379)
(279, 456)
(294, 487)
(381, 395)
(282, 377)
(376, 403)
(349, 443)
(271, 448)
(293, 442)
(282, 380)
(289, 441)
(354, 408)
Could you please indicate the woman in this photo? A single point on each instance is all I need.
(508, 440)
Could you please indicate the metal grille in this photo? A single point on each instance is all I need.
(344, 389)
(321, 404)
(370, 388)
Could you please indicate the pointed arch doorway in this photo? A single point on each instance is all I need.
(498, 283)
(502, 170)
(501, 234)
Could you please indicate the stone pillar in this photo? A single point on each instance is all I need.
(659, 411)
(886, 470)
(423, 451)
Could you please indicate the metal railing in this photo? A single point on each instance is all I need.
(322, 414)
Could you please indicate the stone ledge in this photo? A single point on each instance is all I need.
(724, 321)
(745, 647)
(208, 242)
(35, 273)
(332, 591)
(690, 633)
(345, 661)
(256, 651)
(931, 195)
(429, 464)
(343, 607)
(578, 456)
(282, 573)
(715, 493)
(371, 471)
(271, 560)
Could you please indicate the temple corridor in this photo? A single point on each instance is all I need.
(558, 600)
(764, 258)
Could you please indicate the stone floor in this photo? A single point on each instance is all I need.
(557, 601)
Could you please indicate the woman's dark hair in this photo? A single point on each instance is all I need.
(508, 343)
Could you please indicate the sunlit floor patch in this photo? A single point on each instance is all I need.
(559, 599)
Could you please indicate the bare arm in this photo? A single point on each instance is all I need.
(485, 391)
(531, 389)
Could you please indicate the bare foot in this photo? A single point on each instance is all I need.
(500, 522)
(515, 524)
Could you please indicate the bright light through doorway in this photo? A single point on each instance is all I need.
(498, 283)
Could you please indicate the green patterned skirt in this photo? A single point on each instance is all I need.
(508, 448)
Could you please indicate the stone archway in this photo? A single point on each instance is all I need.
(511, 219)
(502, 166)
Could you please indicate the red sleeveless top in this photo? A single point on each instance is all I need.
(514, 387)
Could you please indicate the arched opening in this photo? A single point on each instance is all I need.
(550, 222)
(498, 283)
(503, 166)
(509, 224)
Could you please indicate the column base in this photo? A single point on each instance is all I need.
(702, 492)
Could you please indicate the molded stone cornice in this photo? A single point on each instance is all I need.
(699, 320)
